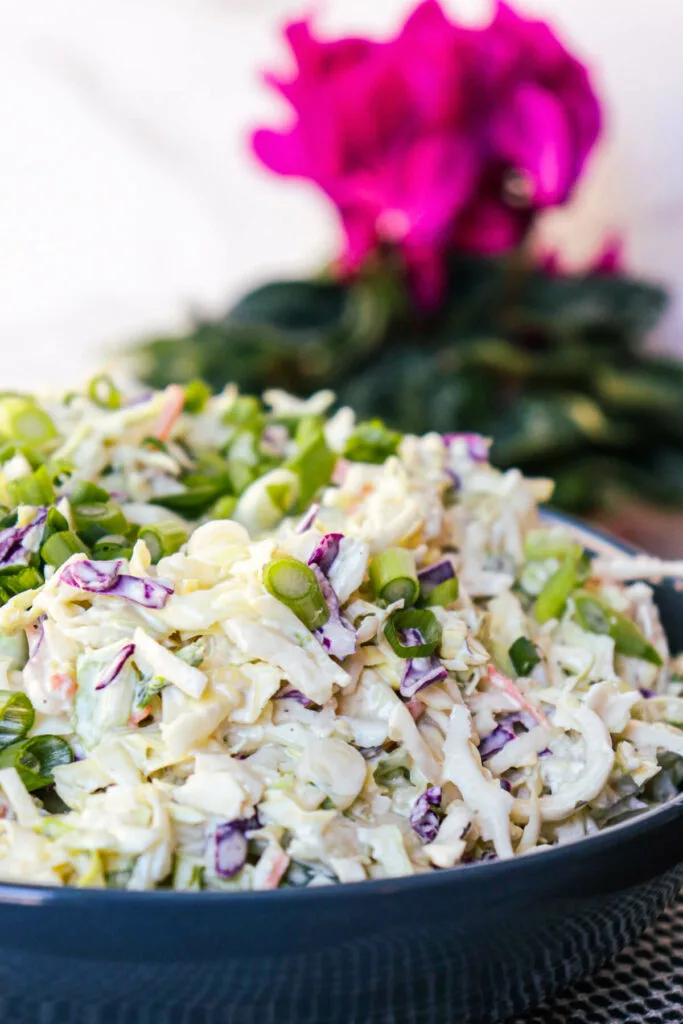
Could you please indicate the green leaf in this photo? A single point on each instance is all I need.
(601, 307)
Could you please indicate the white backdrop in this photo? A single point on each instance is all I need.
(128, 197)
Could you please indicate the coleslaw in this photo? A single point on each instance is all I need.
(249, 644)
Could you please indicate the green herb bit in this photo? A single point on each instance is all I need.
(558, 589)
(597, 617)
(393, 576)
(371, 441)
(408, 619)
(294, 584)
(523, 655)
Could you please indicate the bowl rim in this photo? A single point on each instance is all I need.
(37, 894)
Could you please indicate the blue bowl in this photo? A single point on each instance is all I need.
(474, 944)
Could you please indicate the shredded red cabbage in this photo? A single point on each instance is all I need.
(435, 574)
(504, 732)
(477, 445)
(109, 674)
(423, 818)
(370, 753)
(17, 542)
(289, 693)
(274, 438)
(647, 693)
(337, 637)
(326, 552)
(106, 578)
(307, 519)
(95, 577)
(230, 845)
(419, 672)
(145, 592)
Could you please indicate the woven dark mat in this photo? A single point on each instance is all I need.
(642, 985)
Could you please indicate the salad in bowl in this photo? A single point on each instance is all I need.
(249, 644)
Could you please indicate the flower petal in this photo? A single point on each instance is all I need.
(532, 135)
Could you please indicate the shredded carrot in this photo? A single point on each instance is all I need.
(174, 400)
(507, 686)
(341, 468)
(139, 715)
(416, 708)
(280, 865)
(63, 683)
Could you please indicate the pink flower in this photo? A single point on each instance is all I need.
(443, 137)
(609, 260)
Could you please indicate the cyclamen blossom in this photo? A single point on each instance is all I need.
(443, 137)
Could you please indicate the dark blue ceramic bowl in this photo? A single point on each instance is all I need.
(478, 943)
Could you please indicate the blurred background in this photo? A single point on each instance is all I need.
(129, 200)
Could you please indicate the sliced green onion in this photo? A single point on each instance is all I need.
(523, 655)
(23, 421)
(295, 584)
(16, 717)
(413, 618)
(147, 689)
(597, 617)
(557, 590)
(246, 413)
(113, 545)
(98, 520)
(372, 442)
(393, 576)
(15, 579)
(282, 495)
(313, 462)
(224, 507)
(443, 594)
(197, 394)
(9, 449)
(60, 470)
(163, 538)
(85, 493)
(551, 543)
(35, 489)
(60, 547)
(55, 523)
(241, 474)
(14, 649)
(103, 392)
(196, 499)
(36, 759)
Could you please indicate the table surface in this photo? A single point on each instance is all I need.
(643, 985)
